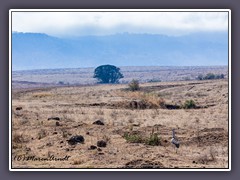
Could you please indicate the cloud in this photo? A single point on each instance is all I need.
(102, 23)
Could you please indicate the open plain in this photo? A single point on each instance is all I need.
(136, 126)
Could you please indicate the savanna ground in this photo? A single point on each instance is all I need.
(137, 125)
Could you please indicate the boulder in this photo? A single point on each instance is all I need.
(101, 143)
(92, 147)
(75, 140)
(98, 122)
(18, 108)
(57, 123)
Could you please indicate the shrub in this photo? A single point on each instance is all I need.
(200, 77)
(134, 85)
(133, 138)
(219, 76)
(60, 83)
(153, 140)
(154, 80)
(210, 76)
(17, 138)
(189, 104)
(141, 100)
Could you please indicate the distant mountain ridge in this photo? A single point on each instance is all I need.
(41, 51)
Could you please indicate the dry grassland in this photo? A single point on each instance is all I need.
(137, 125)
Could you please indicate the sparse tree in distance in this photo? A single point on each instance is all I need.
(200, 77)
(107, 74)
(210, 76)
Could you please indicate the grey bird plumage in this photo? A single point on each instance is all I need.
(174, 139)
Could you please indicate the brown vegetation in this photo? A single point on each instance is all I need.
(123, 129)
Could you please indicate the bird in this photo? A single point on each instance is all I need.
(174, 140)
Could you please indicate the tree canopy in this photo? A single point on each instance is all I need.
(108, 74)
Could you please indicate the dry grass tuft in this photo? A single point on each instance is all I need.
(208, 156)
(41, 134)
(17, 138)
(148, 130)
(41, 95)
(145, 100)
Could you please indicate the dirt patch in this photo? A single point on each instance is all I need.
(137, 104)
(145, 164)
(157, 88)
(149, 131)
(209, 136)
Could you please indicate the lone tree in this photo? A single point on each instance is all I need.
(108, 74)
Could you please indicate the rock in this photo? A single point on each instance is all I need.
(55, 132)
(76, 139)
(61, 142)
(18, 108)
(101, 143)
(99, 149)
(136, 124)
(49, 144)
(92, 147)
(57, 123)
(87, 133)
(54, 118)
(98, 122)
(27, 149)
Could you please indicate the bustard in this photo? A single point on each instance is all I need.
(174, 140)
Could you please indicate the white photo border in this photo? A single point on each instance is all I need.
(119, 10)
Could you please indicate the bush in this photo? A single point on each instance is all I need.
(134, 85)
(153, 140)
(210, 76)
(189, 104)
(141, 100)
(200, 77)
(60, 83)
(154, 80)
(219, 76)
(133, 138)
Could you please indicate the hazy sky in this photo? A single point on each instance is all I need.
(103, 23)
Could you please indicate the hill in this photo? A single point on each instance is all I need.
(41, 51)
